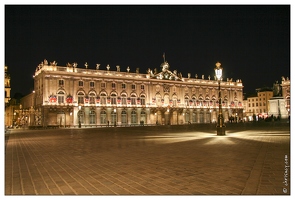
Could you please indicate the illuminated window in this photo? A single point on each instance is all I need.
(133, 99)
(124, 117)
(103, 98)
(186, 100)
(113, 117)
(142, 116)
(124, 99)
(92, 117)
(142, 99)
(60, 97)
(92, 98)
(133, 117)
(113, 99)
(81, 116)
(103, 117)
(80, 97)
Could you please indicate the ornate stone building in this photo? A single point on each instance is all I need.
(69, 96)
(7, 86)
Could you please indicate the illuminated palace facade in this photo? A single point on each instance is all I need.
(71, 96)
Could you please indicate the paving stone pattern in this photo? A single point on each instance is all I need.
(156, 160)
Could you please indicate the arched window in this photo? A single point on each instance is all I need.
(142, 99)
(133, 117)
(81, 116)
(133, 99)
(186, 101)
(124, 117)
(186, 116)
(124, 99)
(142, 116)
(174, 99)
(113, 98)
(158, 100)
(92, 98)
(81, 98)
(92, 117)
(194, 99)
(103, 98)
(166, 99)
(60, 97)
(194, 119)
(113, 117)
(103, 117)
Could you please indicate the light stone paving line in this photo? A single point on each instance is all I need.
(251, 186)
(23, 146)
(42, 146)
(106, 177)
(30, 151)
(19, 168)
(139, 175)
(78, 167)
(75, 172)
(188, 178)
(181, 176)
(7, 168)
(56, 158)
(140, 180)
(37, 156)
(61, 177)
(106, 166)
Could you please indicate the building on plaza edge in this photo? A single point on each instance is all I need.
(71, 96)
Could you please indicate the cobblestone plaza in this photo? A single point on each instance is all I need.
(151, 160)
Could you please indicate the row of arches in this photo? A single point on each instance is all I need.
(104, 119)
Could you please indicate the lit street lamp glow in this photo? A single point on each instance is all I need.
(220, 122)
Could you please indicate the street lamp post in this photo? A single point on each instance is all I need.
(220, 122)
(79, 117)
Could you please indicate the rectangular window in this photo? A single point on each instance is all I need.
(103, 85)
(113, 85)
(133, 87)
(80, 83)
(92, 100)
(60, 99)
(123, 86)
(142, 87)
(61, 83)
(133, 101)
(91, 84)
(142, 101)
(81, 99)
(124, 100)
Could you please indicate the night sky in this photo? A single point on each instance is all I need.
(251, 42)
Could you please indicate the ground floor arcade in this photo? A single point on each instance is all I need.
(125, 116)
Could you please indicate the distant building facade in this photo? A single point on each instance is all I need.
(7, 86)
(258, 106)
(269, 102)
(71, 96)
